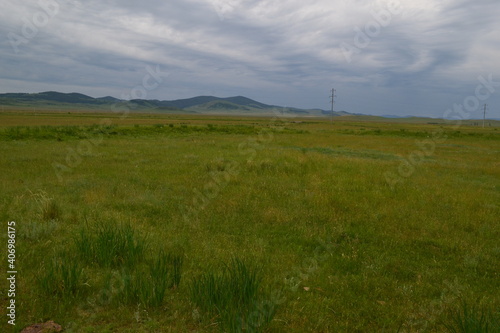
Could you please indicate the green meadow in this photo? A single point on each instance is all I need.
(189, 223)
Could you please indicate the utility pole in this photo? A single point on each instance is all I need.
(484, 116)
(333, 102)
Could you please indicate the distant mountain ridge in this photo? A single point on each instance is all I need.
(53, 96)
(198, 104)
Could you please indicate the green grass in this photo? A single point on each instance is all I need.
(148, 286)
(107, 129)
(233, 296)
(62, 277)
(473, 318)
(110, 245)
(138, 228)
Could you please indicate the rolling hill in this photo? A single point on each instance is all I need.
(238, 105)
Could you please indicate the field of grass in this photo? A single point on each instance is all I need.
(165, 223)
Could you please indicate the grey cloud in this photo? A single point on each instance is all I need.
(283, 52)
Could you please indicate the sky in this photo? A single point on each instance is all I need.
(437, 58)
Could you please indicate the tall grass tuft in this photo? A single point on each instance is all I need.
(159, 271)
(472, 319)
(233, 296)
(62, 277)
(134, 290)
(50, 211)
(176, 261)
(148, 285)
(110, 245)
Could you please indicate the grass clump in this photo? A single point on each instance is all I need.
(175, 261)
(233, 296)
(472, 318)
(110, 245)
(62, 277)
(50, 211)
(148, 286)
(47, 207)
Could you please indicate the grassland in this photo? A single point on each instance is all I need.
(183, 223)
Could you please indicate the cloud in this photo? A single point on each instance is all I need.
(281, 52)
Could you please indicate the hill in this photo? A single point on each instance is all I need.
(200, 104)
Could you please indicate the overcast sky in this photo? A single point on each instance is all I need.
(383, 57)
